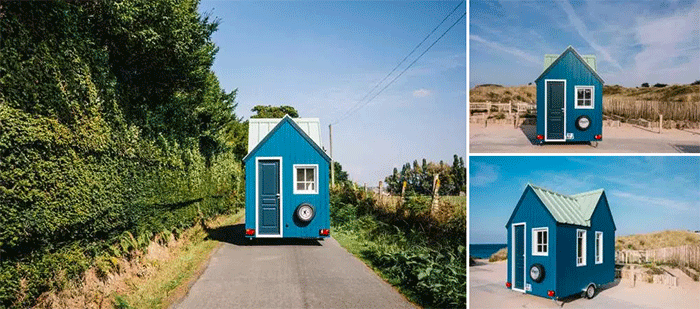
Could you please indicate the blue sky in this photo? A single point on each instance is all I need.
(634, 41)
(646, 194)
(322, 57)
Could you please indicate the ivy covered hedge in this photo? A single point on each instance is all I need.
(113, 129)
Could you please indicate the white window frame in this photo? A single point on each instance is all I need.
(599, 247)
(315, 181)
(535, 244)
(581, 260)
(576, 106)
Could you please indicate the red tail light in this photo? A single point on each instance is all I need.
(550, 293)
(540, 137)
(324, 232)
(249, 232)
(508, 285)
(599, 136)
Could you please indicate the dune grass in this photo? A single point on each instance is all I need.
(500, 255)
(656, 240)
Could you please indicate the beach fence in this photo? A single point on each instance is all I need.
(686, 257)
(652, 111)
(512, 111)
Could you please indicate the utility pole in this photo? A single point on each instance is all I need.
(330, 134)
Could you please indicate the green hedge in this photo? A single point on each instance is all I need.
(66, 199)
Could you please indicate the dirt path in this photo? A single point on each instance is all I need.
(626, 138)
(487, 290)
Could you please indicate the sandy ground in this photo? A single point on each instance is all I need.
(626, 138)
(487, 290)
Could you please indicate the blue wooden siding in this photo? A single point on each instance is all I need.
(287, 142)
(574, 278)
(571, 69)
(531, 211)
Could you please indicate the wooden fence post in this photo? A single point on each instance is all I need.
(436, 201)
(661, 122)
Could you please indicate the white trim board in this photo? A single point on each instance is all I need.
(583, 249)
(546, 111)
(257, 196)
(534, 241)
(576, 88)
(294, 177)
(524, 257)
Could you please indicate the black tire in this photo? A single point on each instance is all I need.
(305, 212)
(540, 271)
(590, 291)
(579, 119)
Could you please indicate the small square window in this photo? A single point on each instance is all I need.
(305, 179)
(540, 241)
(584, 97)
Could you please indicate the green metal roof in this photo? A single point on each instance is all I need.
(570, 209)
(588, 60)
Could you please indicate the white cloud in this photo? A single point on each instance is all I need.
(484, 174)
(653, 201)
(510, 50)
(421, 93)
(586, 35)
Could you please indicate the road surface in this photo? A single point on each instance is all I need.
(284, 273)
(626, 138)
(487, 290)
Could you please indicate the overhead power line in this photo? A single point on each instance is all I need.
(358, 106)
(400, 63)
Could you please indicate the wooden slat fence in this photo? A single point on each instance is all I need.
(688, 255)
(510, 107)
(650, 110)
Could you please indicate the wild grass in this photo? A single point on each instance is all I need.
(500, 255)
(492, 93)
(424, 258)
(657, 240)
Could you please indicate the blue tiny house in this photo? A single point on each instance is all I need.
(287, 178)
(569, 99)
(560, 245)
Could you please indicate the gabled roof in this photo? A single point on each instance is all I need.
(259, 142)
(258, 128)
(589, 59)
(569, 209)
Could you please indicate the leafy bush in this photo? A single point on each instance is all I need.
(645, 85)
(659, 85)
(426, 260)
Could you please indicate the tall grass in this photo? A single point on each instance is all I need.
(425, 259)
(631, 108)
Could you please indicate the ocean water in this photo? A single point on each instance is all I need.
(484, 251)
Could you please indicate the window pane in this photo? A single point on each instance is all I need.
(300, 186)
(544, 237)
(300, 174)
(587, 93)
(580, 93)
(309, 174)
(544, 248)
(539, 237)
(578, 247)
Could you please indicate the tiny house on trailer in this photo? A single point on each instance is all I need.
(286, 174)
(560, 245)
(569, 99)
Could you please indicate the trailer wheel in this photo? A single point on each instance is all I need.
(305, 212)
(537, 272)
(590, 291)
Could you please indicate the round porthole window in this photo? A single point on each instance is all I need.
(537, 272)
(305, 212)
(583, 123)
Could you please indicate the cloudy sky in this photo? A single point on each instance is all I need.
(646, 194)
(634, 41)
(323, 57)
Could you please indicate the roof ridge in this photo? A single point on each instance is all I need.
(551, 191)
(596, 191)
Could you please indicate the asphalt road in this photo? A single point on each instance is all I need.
(284, 273)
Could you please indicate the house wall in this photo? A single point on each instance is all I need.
(573, 279)
(576, 74)
(531, 211)
(287, 143)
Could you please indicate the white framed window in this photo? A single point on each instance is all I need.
(540, 241)
(584, 97)
(580, 247)
(305, 178)
(598, 247)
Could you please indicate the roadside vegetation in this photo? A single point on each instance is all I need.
(115, 133)
(424, 257)
(500, 255)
